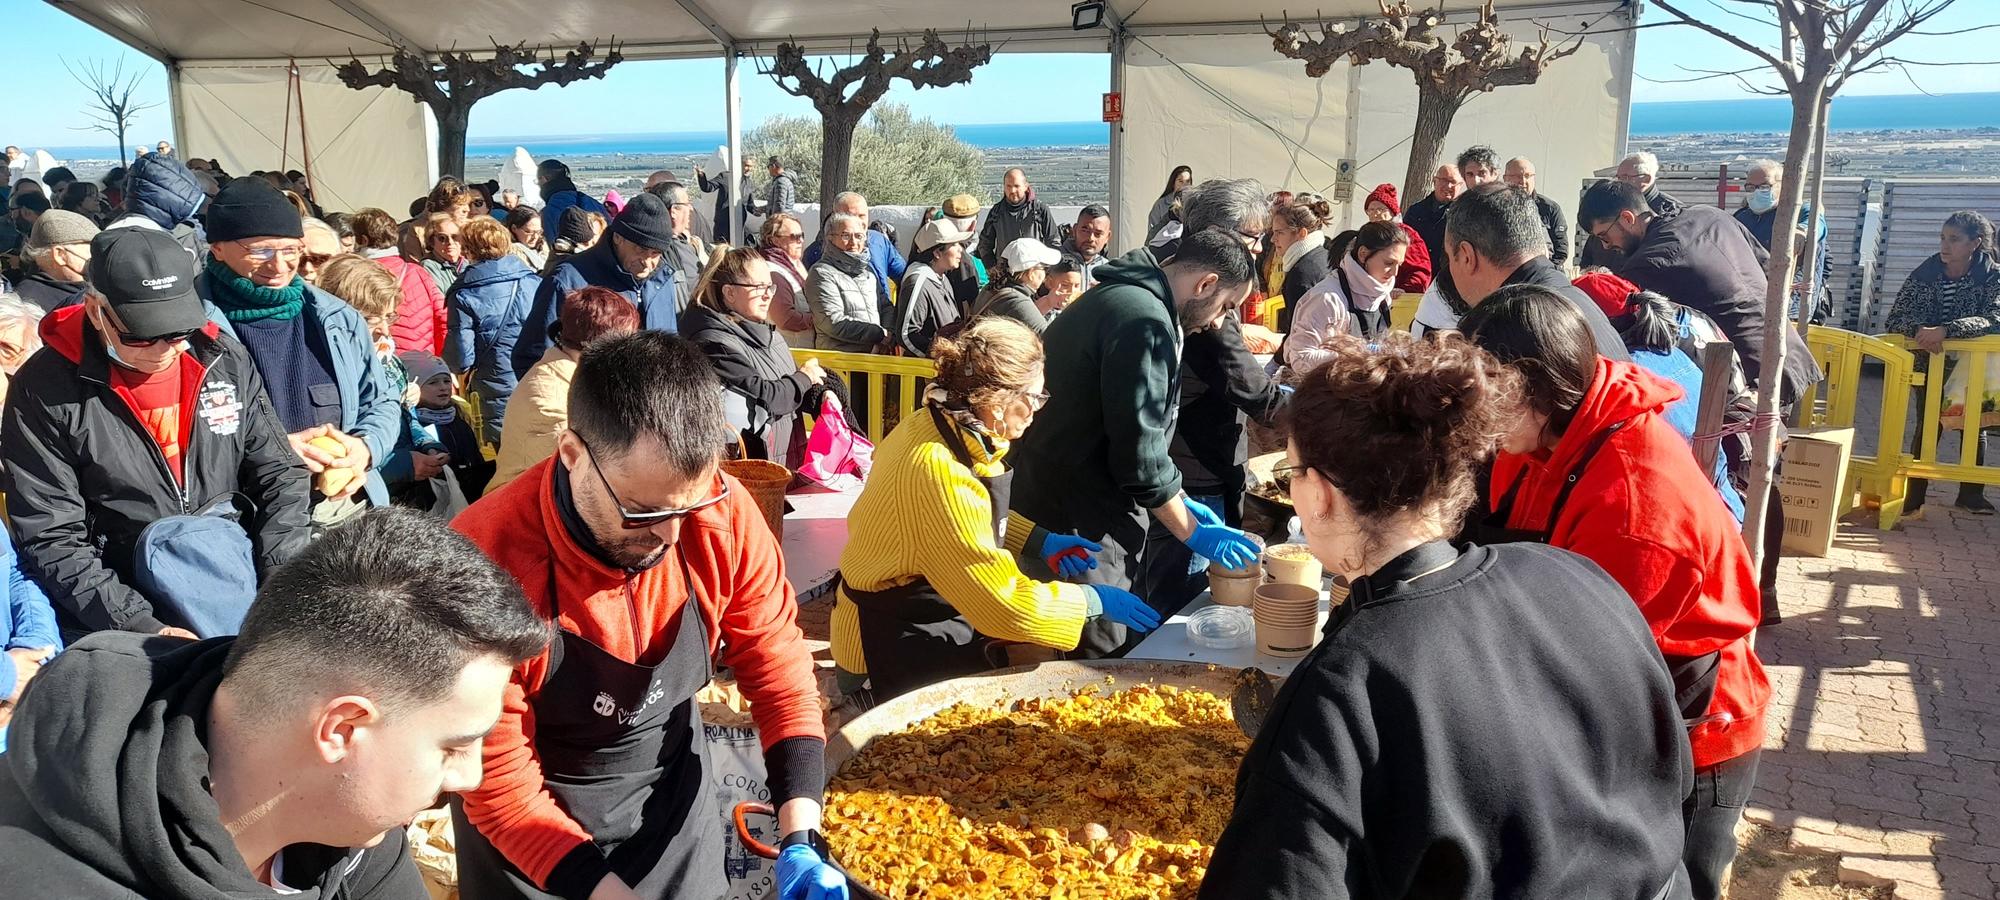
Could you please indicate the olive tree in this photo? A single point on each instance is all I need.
(897, 158)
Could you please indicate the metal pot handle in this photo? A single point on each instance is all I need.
(747, 808)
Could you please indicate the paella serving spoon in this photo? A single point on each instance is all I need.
(1251, 699)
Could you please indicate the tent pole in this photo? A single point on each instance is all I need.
(733, 112)
(1117, 198)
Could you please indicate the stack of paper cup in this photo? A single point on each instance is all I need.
(1291, 564)
(1287, 618)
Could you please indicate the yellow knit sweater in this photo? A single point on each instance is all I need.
(924, 515)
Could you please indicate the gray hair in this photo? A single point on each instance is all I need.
(840, 199)
(1501, 223)
(1771, 168)
(840, 217)
(1643, 163)
(312, 223)
(16, 311)
(1224, 204)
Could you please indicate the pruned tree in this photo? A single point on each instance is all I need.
(1819, 46)
(452, 81)
(1451, 65)
(846, 95)
(898, 158)
(112, 107)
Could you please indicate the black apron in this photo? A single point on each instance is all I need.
(1694, 676)
(622, 751)
(910, 635)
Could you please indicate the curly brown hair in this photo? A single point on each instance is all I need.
(1402, 425)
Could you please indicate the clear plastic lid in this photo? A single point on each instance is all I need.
(1222, 628)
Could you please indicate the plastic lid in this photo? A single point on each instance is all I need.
(1222, 628)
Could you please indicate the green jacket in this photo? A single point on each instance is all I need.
(1096, 457)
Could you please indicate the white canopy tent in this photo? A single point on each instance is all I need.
(1200, 82)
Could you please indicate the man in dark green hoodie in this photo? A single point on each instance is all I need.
(1095, 463)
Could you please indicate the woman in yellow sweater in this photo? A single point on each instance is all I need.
(930, 587)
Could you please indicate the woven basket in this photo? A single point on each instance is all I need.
(766, 481)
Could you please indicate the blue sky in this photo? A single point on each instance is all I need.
(1014, 88)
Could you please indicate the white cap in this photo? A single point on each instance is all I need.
(1027, 253)
(940, 231)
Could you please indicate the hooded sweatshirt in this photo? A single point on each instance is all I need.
(1008, 222)
(1643, 510)
(162, 193)
(1096, 455)
(103, 792)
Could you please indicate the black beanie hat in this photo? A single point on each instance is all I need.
(575, 227)
(644, 222)
(251, 208)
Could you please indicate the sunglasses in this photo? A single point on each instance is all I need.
(634, 521)
(447, 238)
(174, 338)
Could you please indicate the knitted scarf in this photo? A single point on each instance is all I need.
(242, 300)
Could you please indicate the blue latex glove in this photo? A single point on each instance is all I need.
(1201, 511)
(1125, 608)
(1069, 556)
(1219, 542)
(802, 875)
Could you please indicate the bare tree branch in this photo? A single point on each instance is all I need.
(1745, 46)
(111, 95)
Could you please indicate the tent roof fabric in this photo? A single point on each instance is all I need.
(242, 30)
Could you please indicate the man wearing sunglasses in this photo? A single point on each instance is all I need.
(314, 352)
(649, 559)
(138, 409)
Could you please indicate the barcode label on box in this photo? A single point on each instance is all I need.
(1798, 527)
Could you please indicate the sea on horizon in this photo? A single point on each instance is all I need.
(1759, 115)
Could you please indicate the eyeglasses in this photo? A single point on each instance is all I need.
(765, 288)
(316, 259)
(1603, 235)
(1036, 399)
(261, 255)
(448, 238)
(634, 521)
(1251, 237)
(1287, 471)
(791, 236)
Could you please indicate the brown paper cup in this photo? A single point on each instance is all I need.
(1291, 564)
(1231, 590)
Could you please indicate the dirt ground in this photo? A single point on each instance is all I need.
(1767, 869)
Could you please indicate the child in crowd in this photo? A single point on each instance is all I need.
(440, 427)
(27, 631)
(1063, 284)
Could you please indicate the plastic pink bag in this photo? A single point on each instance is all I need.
(837, 456)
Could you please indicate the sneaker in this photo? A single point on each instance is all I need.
(1976, 504)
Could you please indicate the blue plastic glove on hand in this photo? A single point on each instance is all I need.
(1069, 556)
(1219, 542)
(1125, 608)
(803, 875)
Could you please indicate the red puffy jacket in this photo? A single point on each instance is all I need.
(420, 318)
(1643, 511)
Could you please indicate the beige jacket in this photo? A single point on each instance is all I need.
(538, 411)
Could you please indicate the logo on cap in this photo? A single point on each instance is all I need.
(164, 282)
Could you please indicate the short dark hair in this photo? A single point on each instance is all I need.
(58, 174)
(774, 161)
(1499, 220)
(1093, 211)
(665, 189)
(35, 202)
(1543, 337)
(1068, 264)
(1605, 200)
(552, 167)
(649, 383)
(394, 603)
(522, 215)
(1479, 153)
(1220, 251)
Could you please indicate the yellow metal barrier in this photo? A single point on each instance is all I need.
(1403, 310)
(1942, 411)
(878, 385)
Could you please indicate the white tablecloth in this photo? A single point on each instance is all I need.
(815, 533)
(1170, 642)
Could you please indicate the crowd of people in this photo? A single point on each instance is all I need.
(343, 515)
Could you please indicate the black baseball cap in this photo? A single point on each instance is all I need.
(148, 278)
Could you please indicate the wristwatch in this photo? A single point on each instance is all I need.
(810, 837)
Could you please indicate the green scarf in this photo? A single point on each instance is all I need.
(242, 300)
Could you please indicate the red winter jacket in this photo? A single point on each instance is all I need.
(1415, 274)
(420, 317)
(1644, 512)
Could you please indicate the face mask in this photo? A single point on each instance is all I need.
(1762, 200)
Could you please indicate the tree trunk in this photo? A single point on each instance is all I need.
(1435, 109)
(1806, 122)
(836, 155)
(1816, 164)
(453, 119)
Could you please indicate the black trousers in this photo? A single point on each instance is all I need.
(1710, 815)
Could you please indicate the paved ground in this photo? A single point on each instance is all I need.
(1885, 719)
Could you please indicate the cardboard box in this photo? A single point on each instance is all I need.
(1813, 485)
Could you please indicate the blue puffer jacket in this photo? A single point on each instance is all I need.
(485, 309)
(167, 194)
(597, 266)
(559, 195)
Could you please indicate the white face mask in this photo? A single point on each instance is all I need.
(1762, 200)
